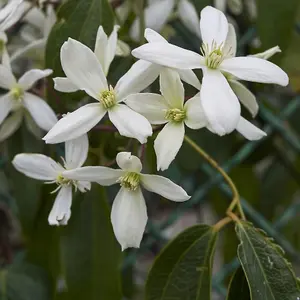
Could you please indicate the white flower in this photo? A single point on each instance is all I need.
(18, 100)
(158, 12)
(129, 211)
(41, 167)
(84, 70)
(220, 104)
(169, 109)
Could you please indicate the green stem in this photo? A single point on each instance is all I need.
(236, 197)
(142, 20)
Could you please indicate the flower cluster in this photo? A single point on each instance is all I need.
(215, 106)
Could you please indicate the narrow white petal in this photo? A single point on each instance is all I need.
(220, 104)
(154, 37)
(152, 106)
(102, 175)
(82, 67)
(122, 49)
(249, 131)
(27, 81)
(168, 143)
(111, 48)
(37, 166)
(164, 187)
(65, 85)
(7, 79)
(101, 46)
(49, 21)
(171, 87)
(40, 111)
(245, 96)
(61, 210)
(84, 186)
(220, 4)
(189, 77)
(268, 53)
(129, 123)
(9, 9)
(195, 117)
(231, 42)
(10, 125)
(129, 162)
(213, 26)
(255, 69)
(156, 16)
(6, 104)
(129, 217)
(6, 59)
(169, 55)
(75, 124)
(139, 77)
(76, 152)
(189, 16)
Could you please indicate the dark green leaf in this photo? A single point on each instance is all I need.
(238, 287)
(183, 269)
(90, 253)
(269, 274)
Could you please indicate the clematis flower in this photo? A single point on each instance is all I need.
(41, 167)
(129, 211)
(20, 102)
(220, 104)
(84, 70)
(158, 12)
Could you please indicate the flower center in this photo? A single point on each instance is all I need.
(61, 180)
(108, 98)
(130, 180)
(175, 115)
(17, 93)
(213, 54)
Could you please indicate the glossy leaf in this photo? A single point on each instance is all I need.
(238, 287)
(269, 274)
(183, 269)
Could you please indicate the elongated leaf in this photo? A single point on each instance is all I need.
(183, 269)
(24, 281)
(238, 286)
(269, 274)
(90, 253)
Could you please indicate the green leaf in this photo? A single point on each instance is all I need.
(182, 271)
(269, 274)
(24, 281)
(276, 22)
(91, 257)
(238, 287)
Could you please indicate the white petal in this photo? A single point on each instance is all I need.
(40, 111)
(152, 106)
(65, 85)
(220, 104)
(171, 87)
(195, 117)
(122, 49)
(164, 187)
(102, 175)
(268, 53)
(189, 16)
(168, 143)
(9, 9)
(213, 26)
(138, 78)
(27, 81)
(37, 166)
(6, 104)
(84, 186)
(75, 124)
(100, 47)
(231, 42)
(249, 131)
(245, 96)
(154, 37)
(76, 152)
(61, 210)
(169, 55)
(220, 4)
(111, 48)
(7, 79)
(129, 162)
(129, 217)
(82, 67)
(10, 125)
(255, 69)
(129, 123)
(6, 59)
(189, 77)
(49, 21)
(156, 16)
